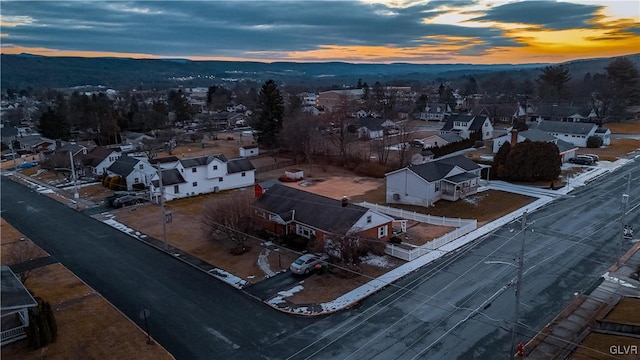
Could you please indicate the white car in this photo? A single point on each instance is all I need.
(307, 263)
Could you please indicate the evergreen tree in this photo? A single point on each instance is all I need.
(498, 168)
(625, 78)
(553, 82)
(54, 125)
(533, 161)
(271, 112)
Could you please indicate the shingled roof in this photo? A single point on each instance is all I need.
(238, 165)
(316, 211)
(202, 160)
(439, 169)
(170, 177)
(124, 165)
(566, 127)
(96, 155)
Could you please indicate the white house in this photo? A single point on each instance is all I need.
(204, 174)
(575, 133)
(372, 128)
(136, 172)
(99, 159)
(465, 125)
(440, 140)
(16, 302)
(450, 179)
(435, 112)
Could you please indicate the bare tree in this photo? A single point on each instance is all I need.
(300, 134)
(337, 122)
(230, 218)
(20, 251)
(380, 147)
(404, 136)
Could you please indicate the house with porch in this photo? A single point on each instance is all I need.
(14, 307)
(202, 175)
(466, 125)
(286, 210)
(449, 179)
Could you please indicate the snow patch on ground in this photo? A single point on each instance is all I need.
(474, 199)
(616, 280)
(283, 294)
(229, 278)
(379, 261)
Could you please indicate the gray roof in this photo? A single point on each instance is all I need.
(459, 178)
(457, 117)
(565, 127)
(317, 211)
(238, 165)
(14, 294)
(96, 155)
(438, 169)
(478, 121)
(602, 130)
(451, 137)
(564, 146)
(537, 135)
(124, 165)
(370, 123)
(202, 160)
(164, 160)
(170, 177)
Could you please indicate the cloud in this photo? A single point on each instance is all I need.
(281, 29)
(548, 14)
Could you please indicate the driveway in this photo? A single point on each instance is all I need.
(266, 288)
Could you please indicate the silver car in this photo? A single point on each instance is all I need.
(306, 263)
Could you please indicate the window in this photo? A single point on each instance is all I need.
(244, 173)
(136, 180)
(215, 167)
(194, 170)
(304, 231)
(176, 189)
(195, 183)
(368, 219)
(382, 231)
(220, 179)
(141, 167)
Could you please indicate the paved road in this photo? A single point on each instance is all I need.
(463, 306)
(193, 315)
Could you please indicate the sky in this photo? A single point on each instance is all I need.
(367, 31)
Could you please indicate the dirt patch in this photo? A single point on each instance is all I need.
(626, 311)
(420, 233)
(338, 186)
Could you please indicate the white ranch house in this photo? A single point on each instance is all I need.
(450, 179)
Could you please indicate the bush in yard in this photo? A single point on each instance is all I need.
(533, 161)
(106, 181)
(43, 329)
(594, 141)
(395, 240)
(114, 183)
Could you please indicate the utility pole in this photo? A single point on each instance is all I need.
(625, 201)
(164, 215)
(514, 329)
(75, 179)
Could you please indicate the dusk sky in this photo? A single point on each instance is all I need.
(369, 31)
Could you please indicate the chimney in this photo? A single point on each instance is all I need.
(514, 137)
(345, 201)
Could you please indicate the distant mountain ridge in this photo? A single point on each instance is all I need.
(39, 72)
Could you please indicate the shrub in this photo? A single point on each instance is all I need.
(395, 240)
(594, 141)
(106, 181)
(114, 183)
(374, 170)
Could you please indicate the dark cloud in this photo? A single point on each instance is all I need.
(232, 28)
(549, 14)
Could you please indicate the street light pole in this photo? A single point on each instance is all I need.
(514, 329)
(164, 215)
(625, 201)
(73, 172)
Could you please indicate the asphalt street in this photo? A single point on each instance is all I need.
(461, 306)
(193, 315)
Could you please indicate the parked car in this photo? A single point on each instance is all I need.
(594, 157)
(582, 160)
(127, 200)
(307, 263)
(27, 165)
